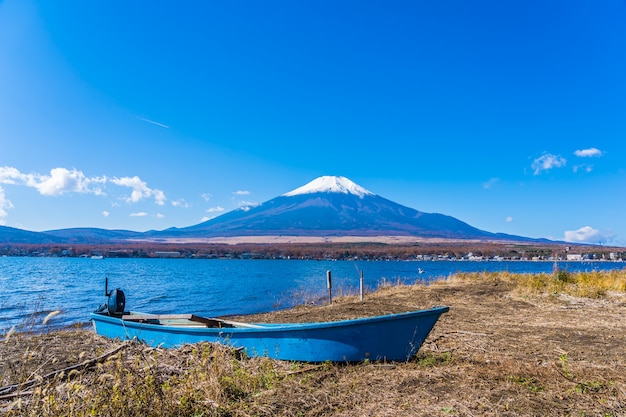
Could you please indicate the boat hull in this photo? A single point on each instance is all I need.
(394, 337)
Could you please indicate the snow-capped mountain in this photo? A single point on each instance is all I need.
(330, 184)
(327, 206)
(333, 206)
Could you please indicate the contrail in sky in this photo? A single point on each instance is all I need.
(153, 122)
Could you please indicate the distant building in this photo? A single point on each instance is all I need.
(574, 257)
(164, 254)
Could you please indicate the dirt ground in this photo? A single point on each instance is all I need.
(495, 353)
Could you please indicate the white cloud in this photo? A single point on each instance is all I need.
(140, 190)
(548, 161)
(585, 153)
(139, 214)
(62, 180)
(10, 175)
(583, 167)
(159, 197)
(241, 192)
(490, 183)
(215, 209)
(180, 203)
(160, 216)
(59, 182)
(247, 205)
(206, 196)
(508, 219)
(585, 234)
(5, 204)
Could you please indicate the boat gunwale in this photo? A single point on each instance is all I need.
(271, 327)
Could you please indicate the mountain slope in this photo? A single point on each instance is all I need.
(13, 235)
(327, 206)
(88, 235)
(334, 206)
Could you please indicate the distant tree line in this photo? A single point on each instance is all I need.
(372, 251)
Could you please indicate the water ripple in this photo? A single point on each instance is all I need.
(34, 287)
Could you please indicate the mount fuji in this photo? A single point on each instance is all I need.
(327, 207)
(333, 206)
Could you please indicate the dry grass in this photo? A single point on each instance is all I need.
(511, 345)
(594, 284)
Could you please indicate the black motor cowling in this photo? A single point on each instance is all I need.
(116, 303)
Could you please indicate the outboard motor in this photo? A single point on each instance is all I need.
(116, 301)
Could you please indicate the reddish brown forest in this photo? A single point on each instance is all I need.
(451, 250)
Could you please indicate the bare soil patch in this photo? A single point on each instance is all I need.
(495, 353)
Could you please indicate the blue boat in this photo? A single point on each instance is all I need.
(393, 337)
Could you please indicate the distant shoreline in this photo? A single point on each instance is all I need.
(372, 247)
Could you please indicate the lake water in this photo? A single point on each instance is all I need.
(30, 288)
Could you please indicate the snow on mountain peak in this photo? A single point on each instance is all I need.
(330, 184)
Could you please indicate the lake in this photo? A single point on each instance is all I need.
(30, 288)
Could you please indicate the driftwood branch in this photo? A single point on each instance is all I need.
(15, 395)
(303, 370)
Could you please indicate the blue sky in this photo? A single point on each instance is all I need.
(508, 115)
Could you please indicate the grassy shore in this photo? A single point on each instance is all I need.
(511, 345)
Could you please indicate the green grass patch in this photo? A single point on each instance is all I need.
(429, 359)
(531, 383)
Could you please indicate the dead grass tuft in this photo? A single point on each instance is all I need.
(595, 284)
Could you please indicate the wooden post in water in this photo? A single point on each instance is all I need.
(329, 283)
(361, 285)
